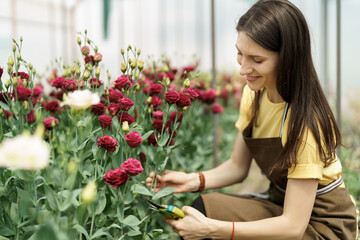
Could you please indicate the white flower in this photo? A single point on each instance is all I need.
(81, 99)
(89, 192)
(24, 152)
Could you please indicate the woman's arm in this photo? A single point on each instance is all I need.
(234, 170)
(299, 201)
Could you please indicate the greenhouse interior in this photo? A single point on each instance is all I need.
(102, 100)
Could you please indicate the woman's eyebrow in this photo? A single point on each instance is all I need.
(253, 56)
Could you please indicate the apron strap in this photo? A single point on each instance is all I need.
(323, 190)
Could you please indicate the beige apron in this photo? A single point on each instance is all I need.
(334, 213)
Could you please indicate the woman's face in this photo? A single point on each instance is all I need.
(258, 65)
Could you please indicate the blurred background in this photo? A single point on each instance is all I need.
(182, 30)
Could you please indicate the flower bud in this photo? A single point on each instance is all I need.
(186, 83)
(129, 47)
(167, 81)
(122, 51)
(97, 57)
(11, 61)
(14, 48)
(97, 72)
(228, 87)
(133, 63)
(150, 110)
(165, 68)
(14, 81)
(78, 72)
(108, 75)
(125, 126)
(71, 167)
(7, 83)
(96, 49)
(30, 66)
(185, 109)
(41, 100)
(85, 31)
(137, 87)
(140, 65)
(40, 130)
(25, 105)
(21, 38)
(33, 71)
(106, 92)
(138, 52)
(1, 112)
(85, 50)
(89, 193)
(18, 56)
(123, 67)
(149, 100)
(90, 68)
(86, 74)
(79, 41)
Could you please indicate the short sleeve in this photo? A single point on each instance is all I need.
(309, 164)
(245, 105)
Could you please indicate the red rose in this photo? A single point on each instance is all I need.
(37, 91)
(107, 142)
(113, 109)
(114, 95)
(89, 59)
(122, 82)
(105, 121)
(172, 87)
(133, 139)
(224, 94)
(155, 101)
(59, 95)
(171, 76)
(22, 75)
(173, 116)
(23, 93)
(95, 83)
(132, 166)
(191, 93)
(158, 114)
(49, 122)
(69, 85)
(216, 108)
(152, 140)
(7, 114)
(125, 104)
(157, 124)
(125, 117)
(116, 177)
(85, 50)
(1, 71)
(31, 117)
(142, 157)
(155, 89)
(208, 96)
(184, 101)
(58, 82)
(4, 97)
(97, 57)
(172, 97)
(98, 109)
(52, 106)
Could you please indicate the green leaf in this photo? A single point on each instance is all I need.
(82, 214)
(129, 197)
(24, 195)
(26, 175)
(141, 189)
(146, 135)
(51, 198)
(4, 106)
(163, 192)
(164, 139)
(82, 230)
(14, 213)
(101, 204)
(131, 220)
(83, 144)
(5, 231)
(45, 232)
(133, 233)
(101, 232)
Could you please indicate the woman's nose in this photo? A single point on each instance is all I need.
(245, 69)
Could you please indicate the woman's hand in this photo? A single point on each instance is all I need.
(182, 182)
(193, 226)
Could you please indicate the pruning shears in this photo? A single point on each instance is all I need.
(168, 211)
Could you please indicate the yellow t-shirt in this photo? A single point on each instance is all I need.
(309, 164)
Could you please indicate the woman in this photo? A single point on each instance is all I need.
(287, 127)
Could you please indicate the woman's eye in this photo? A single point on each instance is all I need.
(258, 61)
(239, 53)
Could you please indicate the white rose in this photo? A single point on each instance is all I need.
(24, 152)
(81, 99)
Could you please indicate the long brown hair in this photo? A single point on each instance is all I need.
(278, 25)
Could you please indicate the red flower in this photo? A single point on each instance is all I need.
(191, 93)
(31, 117)
(114, 95)
(1, 71)
(184, 101)
(173, 116)
(158, 114)
(7, 114)
(52, 106)
(98, 109)
(132, 166)
(224, 94)
(155, 89)
(95, 83)
(105, 121)
(97, 57)
(89, 59)
(69, 85)
(107, 142)
(49, 122)
(23, 93)
(37, 91)
(125, 117)
(116, 177)
(155, 101)
(4, 96)
(113, 109)
(152, 140)
(216, 108)
(142, 157)
(22, 75)
(172, 97)
(157, 124)
(58, 82)
(85, 50)
(122, 82)
(208, 96)
(133, 139)
(125, 104)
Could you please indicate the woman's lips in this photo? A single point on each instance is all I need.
(251, 78)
